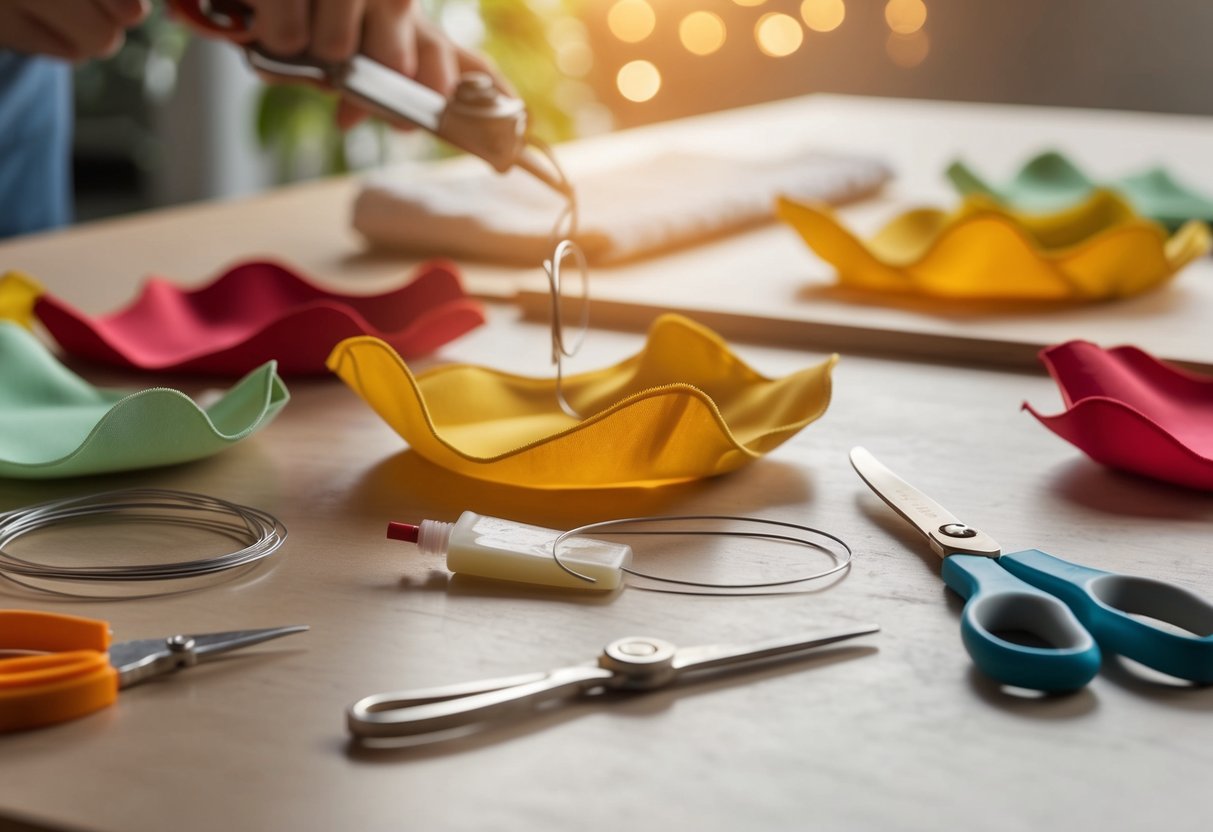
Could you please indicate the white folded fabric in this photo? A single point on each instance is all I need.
(667, 202)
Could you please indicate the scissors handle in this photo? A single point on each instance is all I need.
(1106, 604)
(998, 602)
(409, 713)
(71, 677)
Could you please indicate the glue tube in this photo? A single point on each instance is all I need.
(490, 547)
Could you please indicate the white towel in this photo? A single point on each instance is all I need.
(662, 203)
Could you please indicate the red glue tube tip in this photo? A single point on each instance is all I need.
(403, 531)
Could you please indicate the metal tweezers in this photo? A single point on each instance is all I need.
(634, 664)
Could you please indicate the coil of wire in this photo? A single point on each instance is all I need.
(259, 533)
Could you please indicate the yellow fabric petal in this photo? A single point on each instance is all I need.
(1069, 227)
(685, 407)
(18, 292)
(1095, 250)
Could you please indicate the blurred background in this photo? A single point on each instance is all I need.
(175, 118)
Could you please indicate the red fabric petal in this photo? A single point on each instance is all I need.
(1131, 411)
(258, 311)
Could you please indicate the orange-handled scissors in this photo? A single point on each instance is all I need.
(73, 670)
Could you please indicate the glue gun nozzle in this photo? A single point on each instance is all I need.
(403, 531)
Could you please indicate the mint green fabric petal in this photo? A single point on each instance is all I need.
(1156, 194)
(1051, 182)
(55, 424)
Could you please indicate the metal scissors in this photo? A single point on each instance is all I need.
(634, 663)
(478, 118)
(73, 670)
(1073, 609)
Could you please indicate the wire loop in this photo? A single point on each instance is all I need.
(260, 533)
(563, 240)
(842, 561)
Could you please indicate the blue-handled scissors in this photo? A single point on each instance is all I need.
(1074, 609)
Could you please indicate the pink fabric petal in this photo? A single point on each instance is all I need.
(258, 311)
(1128, 410)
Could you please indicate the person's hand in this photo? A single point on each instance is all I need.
(392, 32)
(72, 29)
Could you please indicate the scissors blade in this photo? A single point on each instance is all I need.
(393, 94)
(209, 645)
(942, 529)
(139, 660)
(390, 94)
(721, 655)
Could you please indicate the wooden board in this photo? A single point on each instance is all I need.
(767, 286)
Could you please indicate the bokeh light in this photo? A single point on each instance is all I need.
(778, 34)
(570, 44)
(638, 81)
(566, 28)
(908, 51)
(823, 15)
(593, 119)
(749, 2)
(572, 96)
(574, 59)
(702, 33)
(631, 20)
(905, 17)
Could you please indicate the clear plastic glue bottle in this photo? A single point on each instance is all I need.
(503, 549)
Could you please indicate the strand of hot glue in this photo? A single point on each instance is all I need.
(565, 247)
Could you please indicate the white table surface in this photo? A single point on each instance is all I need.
(897, 733)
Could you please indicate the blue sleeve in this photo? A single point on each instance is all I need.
(35, 143)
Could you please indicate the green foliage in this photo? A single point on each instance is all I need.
(292, 119)
(516, 39)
